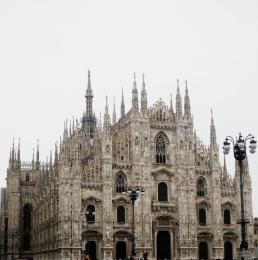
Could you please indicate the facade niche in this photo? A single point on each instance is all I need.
(120, 182)
(201, 187)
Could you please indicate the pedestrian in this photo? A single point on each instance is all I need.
(145, 256)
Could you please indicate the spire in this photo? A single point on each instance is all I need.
(37, 155)
(73, 124)
(100, 121)
(89, 98)
(106, 118)
(10, 156)
(171, 104)
(19, 152)
(187, 106)
(122, 105)
(213, 140)
(135, 106)
(143, 96)
(33, 158)
(50, 158)
(13, 150)
(56, 156)
(114, 112)
(178, 102)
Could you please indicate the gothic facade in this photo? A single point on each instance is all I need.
(76, 204)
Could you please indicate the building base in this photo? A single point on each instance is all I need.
(244, 255)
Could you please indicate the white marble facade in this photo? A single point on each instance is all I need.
(190, 208)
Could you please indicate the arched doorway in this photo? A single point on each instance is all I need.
(228, 252)
(203, 251)
(163, 246)
(91, 250)
(120, 250)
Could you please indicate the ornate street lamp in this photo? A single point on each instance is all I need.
(239, 146)
(133, 193)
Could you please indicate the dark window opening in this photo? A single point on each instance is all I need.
(121, 250)
(162, 192)
(90, 214)
(202, 217)
(203, 251)
(121, 214)
(91, 250)
(228, 251)
(227, 220)
(27, 214)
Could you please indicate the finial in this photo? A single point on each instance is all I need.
(13, 150)
(143, 81)
(106, 108)
(33, 154)
(177, 82)
(50, 157)
(186, 88)
(19, 152)
(134, 76)
(88, 73)
(100, 121)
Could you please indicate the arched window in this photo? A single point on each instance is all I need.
(227, 219)
(120, 214)
(202, 216)
(201, 187)
(162, 191)
(27, 214)
(120, 182)
(90, 214)
(160, 149)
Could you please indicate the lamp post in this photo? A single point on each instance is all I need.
(133, 193)
(239, 146)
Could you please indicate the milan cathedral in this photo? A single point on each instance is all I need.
(75, 204)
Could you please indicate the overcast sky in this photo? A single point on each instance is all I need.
(46, 48)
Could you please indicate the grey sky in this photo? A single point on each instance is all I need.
(46, 48)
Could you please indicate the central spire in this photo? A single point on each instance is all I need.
(143, 96)
(122, 105)
(114, 112)
(135, 106)
(89, 98)
(178, 102)
(187, 106)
